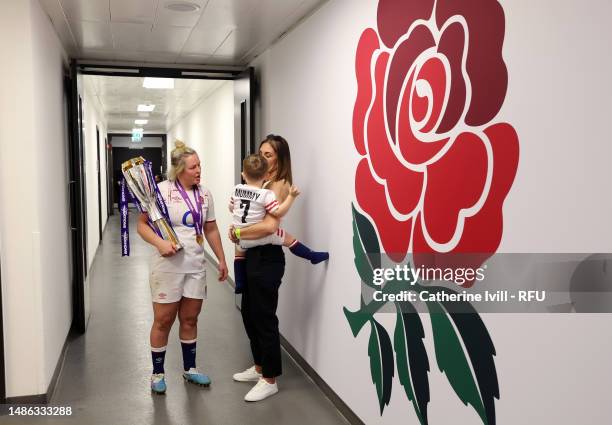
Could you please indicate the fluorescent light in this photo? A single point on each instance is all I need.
(145, 108)
(158, 83)
(140, 122)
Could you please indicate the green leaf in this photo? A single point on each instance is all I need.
(381, 363)
(365, 247)
(411, 358)
(465, 368)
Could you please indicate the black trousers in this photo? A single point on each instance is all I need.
(265, 266)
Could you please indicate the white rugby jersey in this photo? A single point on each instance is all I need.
(191, 258)
(249, 204)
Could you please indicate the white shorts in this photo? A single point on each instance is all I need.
(277, 238)
(171, 287)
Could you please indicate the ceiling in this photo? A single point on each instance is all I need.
(219, 32)
(120, 96)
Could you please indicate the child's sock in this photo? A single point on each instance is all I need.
(303, 251)
(158, 356)
(189, 353)
(239, 274)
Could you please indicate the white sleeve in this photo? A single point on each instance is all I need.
(270, 202)
(210, 212)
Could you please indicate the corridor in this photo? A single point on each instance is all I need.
(105, 376)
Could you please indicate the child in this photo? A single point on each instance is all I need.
(249, 204)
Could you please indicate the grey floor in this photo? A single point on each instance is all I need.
(105, 377)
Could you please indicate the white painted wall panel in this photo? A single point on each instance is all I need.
(558, 101)
(209, 129)
(36, 279)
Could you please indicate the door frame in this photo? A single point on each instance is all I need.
(78, 207)
(2, 367)
(99, 175)
(118, 69)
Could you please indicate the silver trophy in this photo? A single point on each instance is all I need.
(144, 189)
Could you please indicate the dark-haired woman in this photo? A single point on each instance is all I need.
(264, 267)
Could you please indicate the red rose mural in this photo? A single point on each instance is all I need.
(436, 166)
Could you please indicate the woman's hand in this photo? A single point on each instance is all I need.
(222, 271)
(166, 248)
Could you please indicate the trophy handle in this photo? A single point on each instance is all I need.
(168, 233)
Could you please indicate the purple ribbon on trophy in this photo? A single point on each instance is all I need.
(138, 176)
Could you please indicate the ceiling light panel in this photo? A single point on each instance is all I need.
(158, 83)
(145, 108)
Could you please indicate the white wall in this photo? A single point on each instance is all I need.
(34, 218)
(558, 101)
(93, 114)
(209, 129)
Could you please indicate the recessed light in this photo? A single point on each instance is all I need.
(145, 108)
(140, 122)
(158, 83)
(182, 6)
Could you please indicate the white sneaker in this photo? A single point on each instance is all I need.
(249, 375)
(262, 390)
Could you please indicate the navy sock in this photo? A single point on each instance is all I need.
(303, 251)
(158, 356)
(189, 354)
(239, 274)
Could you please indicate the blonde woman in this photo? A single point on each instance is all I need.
(178, 278)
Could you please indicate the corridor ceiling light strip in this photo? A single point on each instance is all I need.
(108, 70)
(158, 83)
(140, 122)
(207, 74)
(145, 108)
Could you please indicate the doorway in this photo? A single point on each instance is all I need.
(83, 68)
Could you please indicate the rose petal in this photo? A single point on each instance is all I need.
(395, 17)
(454, 182)
(482, 232)
(368, 44)
(394, 234)
(485, 65)
(413, 150)
(434, 73)
(420, 39)
(418, 104)
(451, 45)
(404, 185)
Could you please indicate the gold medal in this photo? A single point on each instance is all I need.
(200, 239)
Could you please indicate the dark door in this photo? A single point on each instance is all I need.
(244, 125)
(2, 373)
(99, 173)
(78, 210)
(109, 177)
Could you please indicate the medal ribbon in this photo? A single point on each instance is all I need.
(196, 212)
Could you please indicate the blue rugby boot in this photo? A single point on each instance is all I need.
(193, 376)
(158, 383)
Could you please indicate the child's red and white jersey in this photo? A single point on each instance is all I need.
(250, 204)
